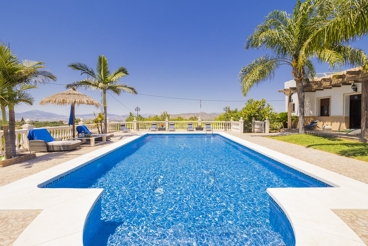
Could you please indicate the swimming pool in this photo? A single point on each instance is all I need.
(186, 189)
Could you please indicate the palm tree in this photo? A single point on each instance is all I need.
(17, 96)
(297, 39)
(8, 66)
(101, 80)
(15, 79)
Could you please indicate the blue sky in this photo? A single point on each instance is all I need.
(182, 49)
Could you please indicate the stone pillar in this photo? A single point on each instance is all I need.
(108, 125)
(231, 124)
(167, 123)
(81, 123)
(267, 126)
(253, 125)
(27, 127)
(135, 124)
(241, 125)
(199, 121)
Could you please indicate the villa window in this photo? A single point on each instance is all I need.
(325, 107)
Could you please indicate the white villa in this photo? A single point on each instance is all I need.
(334, 100)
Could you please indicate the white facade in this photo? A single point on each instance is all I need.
(338, 109)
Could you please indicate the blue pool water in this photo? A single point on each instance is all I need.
(186, 190)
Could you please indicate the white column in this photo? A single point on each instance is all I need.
(167, 123)
(135, 124)
(241, 125)
(27, 127)
(267, 126)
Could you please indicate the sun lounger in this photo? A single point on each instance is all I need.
(190, 127)
(312, 125)
(84, 130)
(153, 127)
(172, 127)
(208, 127)
(123, 128)
(354, 132)
(41, 140)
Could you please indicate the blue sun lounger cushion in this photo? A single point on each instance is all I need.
(83, 129)
(40, 134)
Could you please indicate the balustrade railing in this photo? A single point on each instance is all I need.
(66, 132)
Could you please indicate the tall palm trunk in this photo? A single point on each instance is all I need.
(5, 126)
(12, 136)
(105, 111)
(298, 77)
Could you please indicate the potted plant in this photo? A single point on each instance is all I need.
(162, 127)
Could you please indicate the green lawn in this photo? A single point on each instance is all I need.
(345, 147)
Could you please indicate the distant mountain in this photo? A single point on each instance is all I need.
(40, 116)
(37, 115)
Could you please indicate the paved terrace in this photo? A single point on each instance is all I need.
(12, 223)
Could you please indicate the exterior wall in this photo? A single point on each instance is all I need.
(339, 105)
(294, 97)
(338, 123)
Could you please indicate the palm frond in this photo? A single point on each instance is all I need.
(83, 68)
(86, 84)
(118, 88)
(23, 97)
(273, 34)
(102, 68)
(345, 20)
(257, 71)
(118, 74)
(309, 70)
(343, 55)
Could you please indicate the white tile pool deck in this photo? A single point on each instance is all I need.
(311, 211)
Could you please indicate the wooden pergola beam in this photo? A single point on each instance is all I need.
(289, 92)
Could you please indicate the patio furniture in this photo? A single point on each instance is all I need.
(123, 128)
(190, 127)
(208, 127)
(40, 140)
(153, 127)
(92, 139)
(172, 127)
(312, 125)
(86, 132)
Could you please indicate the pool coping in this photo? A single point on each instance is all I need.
(64, 211)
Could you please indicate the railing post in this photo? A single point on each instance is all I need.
(231, 124)
(27, 127)
(253, 125)
(167, 123)
(199, 121)
(267, 126)
(135, 124)
(108, 126)
(241, 125)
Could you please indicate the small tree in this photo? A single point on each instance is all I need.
(257, 110)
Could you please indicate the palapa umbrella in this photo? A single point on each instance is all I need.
(70, 97)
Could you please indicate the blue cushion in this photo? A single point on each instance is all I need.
(83, 129)
(40, 134)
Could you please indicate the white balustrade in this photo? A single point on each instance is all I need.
(66, 132)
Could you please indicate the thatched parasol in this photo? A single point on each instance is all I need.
(70, 97)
